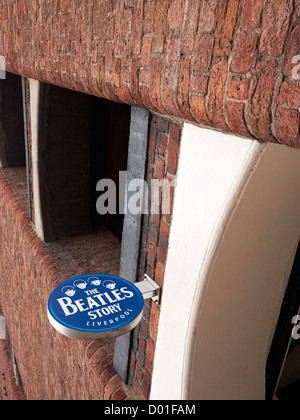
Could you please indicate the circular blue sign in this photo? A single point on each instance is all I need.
(95, 306)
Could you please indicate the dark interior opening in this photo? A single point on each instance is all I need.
(283, 365)
(12, 144)
(82, 139)
(108, 155)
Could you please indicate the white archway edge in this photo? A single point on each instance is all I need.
(226, 275)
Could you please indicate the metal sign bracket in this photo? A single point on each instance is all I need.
(149, 289)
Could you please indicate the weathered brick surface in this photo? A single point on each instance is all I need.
(262, 92)
(275, 26)
(251, 14)
(9, 390)
(30, 270)
(164, 55)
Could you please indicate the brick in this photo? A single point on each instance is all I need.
(139, 372)
(141, 351)
(238, 87)
(216, 95)
(184, 77)
(290, 94)
(261, 94)
(150, 349)
(169, 102)
(275, 27)
(127, 23)
(173, 151)
(119, 21)
(154, 318)
(151, 255)
(144, 326)
(155, 89)
(146, 385)
(119, 395)
(152, 140)
(159, 275)
(171, 60)
(99, 355)
(162, 143)
(150, 270)
(149, 13)
(228, 13)
(163, 126)
(110, 27)
(92, 348)
(190, 28)
(168, 199)
(144, 76)
(208, 16)
(199, 84)
(134, 81)
(137, 27)
(113, 385)
(204, 47)
(160, 26)
(243, 53)
(137, 388)
(175, 16)
(251, 14)
(198, 108)
(236, 118)
(105, 377)
(152, 235)
(287, 126)
(117, 78)
(159, 170)
(145, 95)
(162, 249)
(146, 51)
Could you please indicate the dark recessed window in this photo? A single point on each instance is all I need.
(82, 139)
(12, 143)
(108, 156)
(283, 366)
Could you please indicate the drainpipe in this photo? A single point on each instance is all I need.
(131, 236)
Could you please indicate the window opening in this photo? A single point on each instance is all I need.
(108, 156)
(283, 366)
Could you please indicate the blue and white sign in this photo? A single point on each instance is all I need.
(95, 306)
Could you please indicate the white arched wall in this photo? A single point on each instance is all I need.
(228, 268)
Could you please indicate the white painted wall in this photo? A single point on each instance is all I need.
(226, 276)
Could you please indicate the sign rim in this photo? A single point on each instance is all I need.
(86, 334)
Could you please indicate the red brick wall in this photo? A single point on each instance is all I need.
(8, 387)
(51, 366)
(221, 63)
(31, 269)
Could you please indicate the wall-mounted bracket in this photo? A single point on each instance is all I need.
(149, 289)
